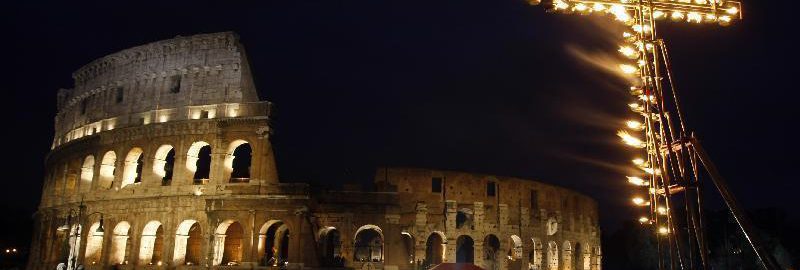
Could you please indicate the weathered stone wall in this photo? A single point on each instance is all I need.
(109, 164)
(518, 209)
(161, 81)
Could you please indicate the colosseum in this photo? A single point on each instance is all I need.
(162, 159)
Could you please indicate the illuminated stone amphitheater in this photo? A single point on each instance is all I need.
(162, 159)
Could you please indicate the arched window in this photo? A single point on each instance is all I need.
(331, 246)
(464, 218)
(133, 167)
(152, 245)
(465, 249)
(164, 163)
(491, 250)
(198, 161)
(107, 170)
(94, 244)
(188, 240)
(434, 249)
(238, 161)
(87, 173)
(535, 259)
(273, 243)
(408, 247)
(368, 244)
(120, 244)
(514, 253)
(228, 243)
(567, 254)
(552, 256)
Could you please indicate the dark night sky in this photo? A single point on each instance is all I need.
(484, 86)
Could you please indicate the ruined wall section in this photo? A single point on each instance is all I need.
(459, 204)
(168, 80)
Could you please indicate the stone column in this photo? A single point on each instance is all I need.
(478, 216)
(451, 210)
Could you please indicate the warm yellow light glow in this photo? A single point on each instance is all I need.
(620, 13)
(694, 17)
(663, 230)
(636, 107)
(628, 69)
(711, 17)
(581, 7)
(636, 91)
(638, 161)
(644, 220)
(635, 125)
(598, 7)
(629, 52)
(725, 19)
(658, 14)
(559, 4)
(662, 210)
(640, 202)
(732, 10)
(649, 170)
(677, 16)
(637, 181)
(630, 140)
(641, 28)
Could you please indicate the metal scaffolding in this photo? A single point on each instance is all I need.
(673, 161)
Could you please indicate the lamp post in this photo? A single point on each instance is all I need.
(75, 235)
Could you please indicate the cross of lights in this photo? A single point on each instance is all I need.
(673, 158)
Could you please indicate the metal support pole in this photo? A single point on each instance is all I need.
(765, 257)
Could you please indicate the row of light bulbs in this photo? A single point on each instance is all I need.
(635, 50)
(723, 16)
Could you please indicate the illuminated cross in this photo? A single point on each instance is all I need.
(672, 158)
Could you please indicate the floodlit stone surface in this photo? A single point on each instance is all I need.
(170, 144)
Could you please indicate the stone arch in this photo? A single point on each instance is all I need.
(228, 243)
(464, 218)
(273, 242)
(435, 247)
(583, 257)
(108, 167)
(164, 163)
(120, 244)
(133, 167)
(597, 258)
(514, 253)
(491, 252)
(152, 244)
(87, 173)
(368, 244)
(552, 255)
(94, 244)
(198, 160)
(188, 243)
(238, 160)
(330, 242)
(465, 249)
(535, 258)
(409, 247)
(566, 253)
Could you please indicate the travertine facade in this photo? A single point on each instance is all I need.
(162, 159)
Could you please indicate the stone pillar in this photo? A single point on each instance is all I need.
(451, 211)
(393, 245)
(502, 210)
(525, 218)
(478, 216)
(421, 220)
(450, 250)
(217, 170)
(478, 251)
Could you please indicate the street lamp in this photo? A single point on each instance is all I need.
(81, 218)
